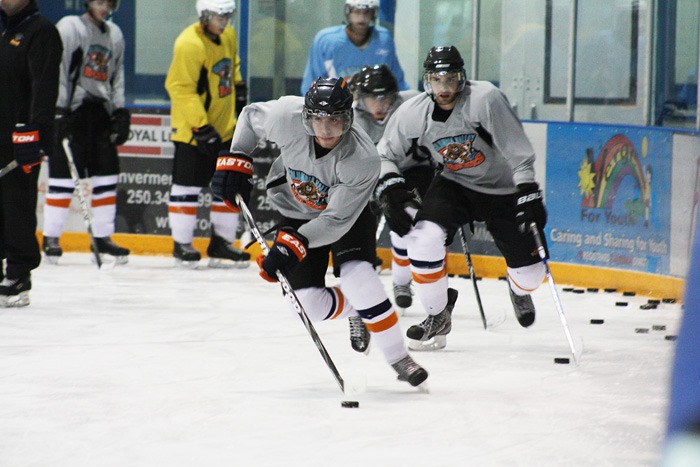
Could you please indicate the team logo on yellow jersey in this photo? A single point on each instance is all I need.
(224, 71)
(458, 152)
(309, 190)
(97, 63)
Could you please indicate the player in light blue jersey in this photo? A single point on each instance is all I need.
(343, 50)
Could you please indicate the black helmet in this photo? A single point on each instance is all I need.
(328, 97)
(114, 4)
(443, 60)
(376, 80)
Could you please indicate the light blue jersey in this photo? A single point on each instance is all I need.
(333, 54)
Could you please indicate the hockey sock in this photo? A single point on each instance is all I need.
(104, 204)
(58, 198)
(324, 303)
(361, 285)
(426, 250)
(182, 212)
(401, 266)
(526, 279)
(224, 220)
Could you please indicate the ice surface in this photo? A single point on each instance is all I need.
(150, 365)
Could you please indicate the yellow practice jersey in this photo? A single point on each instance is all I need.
(201, 83)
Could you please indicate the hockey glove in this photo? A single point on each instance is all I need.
(529, 207)
(63, 124)
(394, 197)
(288, 250)
(241, 97)
(26, 140)
(208, 140)
(234, 173)
(120, 123)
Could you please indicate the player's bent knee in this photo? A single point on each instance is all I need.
(526, 279)
(427, 241)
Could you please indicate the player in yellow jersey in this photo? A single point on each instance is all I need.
(206, 93)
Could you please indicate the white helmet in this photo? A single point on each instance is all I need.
(218, 7)
(361, 5)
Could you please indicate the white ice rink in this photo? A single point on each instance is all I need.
(149, 365)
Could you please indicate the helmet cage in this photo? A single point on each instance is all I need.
(361, 5)
(461, 75)
(308, 115)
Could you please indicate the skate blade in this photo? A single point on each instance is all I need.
(15, 301)
(363, 352)
(436, 343)
(221, 263)
(52, 260)
(186, 264)
(109, 260)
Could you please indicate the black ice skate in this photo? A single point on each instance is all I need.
(15, 292)
(359, 335)
(186, 255)
(105, 246)
(222, 254)
(403, 297)
(523, 307)
(410, 371)
(52, 250)
(430, 334)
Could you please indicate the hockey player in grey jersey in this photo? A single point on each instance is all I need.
(90, 112)
(471, 130)
(320, 184)
(378, 97)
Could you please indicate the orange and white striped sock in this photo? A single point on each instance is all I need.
(57, 205)
(182, 212)
(104, 204)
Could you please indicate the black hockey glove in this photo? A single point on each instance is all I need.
(529, 207)
(289, 249)
(208, 140)
(234, 173)
(394, 197)
(120, 123)
(241, 97)
(26, 140)
(63, 124)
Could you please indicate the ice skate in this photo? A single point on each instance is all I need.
(431, 333)
(403, 297)
(15, 292)
(222, 254)
(523, 307)
(185, 255)
(106, 247)
(52, 250)
(359, 335)
(410, 371)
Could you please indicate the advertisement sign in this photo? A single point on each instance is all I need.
(608, 196)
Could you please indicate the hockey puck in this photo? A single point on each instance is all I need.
(502, 278)
(668, 300)
(629, 294)
(579, 291)
(610, 290)
(568, 289)
(641, 330)
(450, 275)
(651, 301)
(465, 276)
(620, 303)
(659, 327)
(350, 404)
(670, 337)
(648, 306)
(592, 289)
(561, 360)
(597, 321)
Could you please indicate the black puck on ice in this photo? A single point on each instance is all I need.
(648, 306)
(641, 330)
(668, 300)
(629, 294)
(568, 289)
(350, 404)
(592, 289)
(578, 291)
(502, 278)
(561, 360)
(670, 337)
(659, 327)
(620, 303)
(651, 301)
(610, 290)
(597, 321)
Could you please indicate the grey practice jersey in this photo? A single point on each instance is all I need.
(375, 129)
(331, 191)
(482, 144)
(101, 71)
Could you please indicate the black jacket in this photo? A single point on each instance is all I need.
(30, 57)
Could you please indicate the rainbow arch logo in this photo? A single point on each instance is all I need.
(600, 180)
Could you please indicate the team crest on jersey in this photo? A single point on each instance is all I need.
(224, 71)
(458, 152)
(309, 190)
(97, 63)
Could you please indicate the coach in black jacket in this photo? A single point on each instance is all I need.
(30, 54)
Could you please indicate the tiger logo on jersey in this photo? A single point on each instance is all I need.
(458, 152)
(309, 190)
(224, 70)
(97, 63)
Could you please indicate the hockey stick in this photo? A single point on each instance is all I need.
(288, 292)
(83, 201)
(470, 265)
(552, 287)
(8, 168)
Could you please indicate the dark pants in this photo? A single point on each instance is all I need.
(192, 167)
(18, 245)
